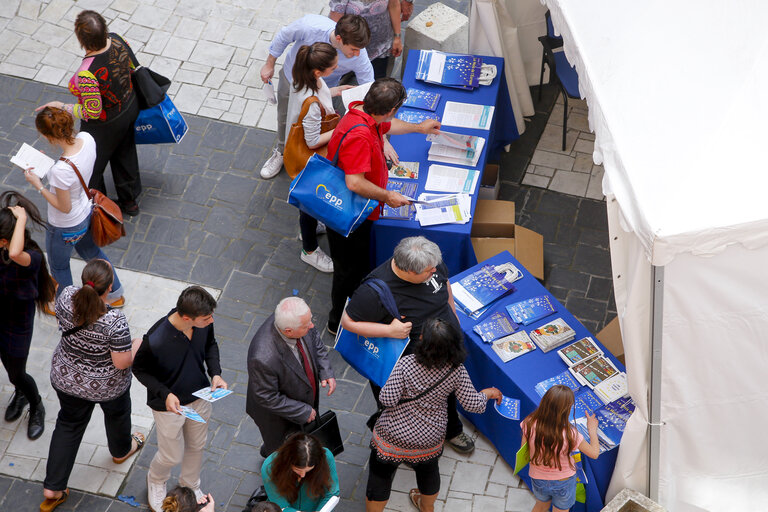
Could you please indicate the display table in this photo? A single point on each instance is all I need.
(518, 377)
(453, 239)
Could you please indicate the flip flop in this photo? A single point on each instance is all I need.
(415, 496)
(139, 438)
(51, 503)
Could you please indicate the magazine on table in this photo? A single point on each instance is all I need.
(452, 180)
(405, 171)
(577, 352)
(484, 286)
(552, 334)
(443, 209)
(421, 99)
(405, 212)
(449, 69)
(415, 116)
(468, 115)
(512, 346)
(496, 326)
(611, 422)
(455, 148)
(594, 370)
(527, 311)
(211, 396)
(565, 378)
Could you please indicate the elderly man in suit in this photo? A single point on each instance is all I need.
(286, 362)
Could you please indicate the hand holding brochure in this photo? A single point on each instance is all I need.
(509, 408)
(354, 94)
(27, 157)
(192, 414)
(211, 396)
(443, 209)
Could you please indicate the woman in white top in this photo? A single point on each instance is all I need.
(312, 64)
(69, 209)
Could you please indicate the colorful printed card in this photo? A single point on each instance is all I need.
(509, 408)
(211, 396)
(577, 352)
(594, 370)
(191, 414)
(512, 346)
(405, 170)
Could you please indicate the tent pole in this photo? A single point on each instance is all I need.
(654, 442)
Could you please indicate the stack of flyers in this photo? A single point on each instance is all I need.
(565, 378)
(594, 370)
(512, 346)
(443, 209)
(418, 98)
(415, 116)
(612, 388)
(577, 352)
(584, 401)
(509, 407)
(552, 334)
(191, 414)
(528, 311)
(211, 396)
(498, 325)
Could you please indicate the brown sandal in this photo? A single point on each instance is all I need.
(139, 439)
(51, 503)
(415, 496)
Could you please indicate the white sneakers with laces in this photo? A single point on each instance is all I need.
(318, 259)
(155, 495)
(273, 165)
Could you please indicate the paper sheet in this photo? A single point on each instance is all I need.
(443, 178)
(354, 94)
(468, 115)
(27, 157)
(443, 209)
(191, 414)
(211, 396)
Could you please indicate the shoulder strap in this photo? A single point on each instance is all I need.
(308, 103)
(73, 330)
(336, 156)
(385, 295)
(430, 388)
(80, 177)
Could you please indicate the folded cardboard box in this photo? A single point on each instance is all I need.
(494, 231)
(610, 337)
(490, 183)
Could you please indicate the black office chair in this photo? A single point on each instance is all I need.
(559, 69)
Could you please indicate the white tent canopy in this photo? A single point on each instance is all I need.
(676, 101)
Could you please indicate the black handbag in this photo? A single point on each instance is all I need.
(375, 416)
(326, 429)
(150, 87)
(258, 496)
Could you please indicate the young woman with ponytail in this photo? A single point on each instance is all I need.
(69, 210)
(24, 284)
(91, 365)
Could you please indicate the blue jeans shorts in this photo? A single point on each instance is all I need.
(562, 493)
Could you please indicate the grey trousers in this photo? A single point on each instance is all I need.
(283, 91)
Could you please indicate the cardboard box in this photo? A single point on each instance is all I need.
(490, 183)
(494, 231)
(610, 337)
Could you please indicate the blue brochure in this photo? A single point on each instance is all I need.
(497, 326)
(530, 310)
(415, 116)
(424, 100)
(565, 378)
(509, 408)
(585, 401)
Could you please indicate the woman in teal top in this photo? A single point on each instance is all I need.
(300, 475)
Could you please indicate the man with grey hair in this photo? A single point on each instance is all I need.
(287, 361)
(418, 280)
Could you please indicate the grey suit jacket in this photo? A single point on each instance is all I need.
(279, 393)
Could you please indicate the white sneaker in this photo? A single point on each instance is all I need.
(198, 494)
(272, 166)
(318, 259)
(321, 230)
(155, 495)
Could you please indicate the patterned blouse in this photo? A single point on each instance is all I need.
(376, 13)
(82, 362)
(102, 83)
(414, 431)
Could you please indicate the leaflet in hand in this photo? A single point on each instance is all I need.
(27, 157)
(468, 115)
(192, 414)
(405, 170)
(405, 212)
(354, 94)
(455, 148)
(421, 99)
(269, 93)
(211, 396)
(530, 310)
(484, 286)
(443, 209)
(497, 326)
(509, 408)
(512, 346)
(415, 116)
(443, 178)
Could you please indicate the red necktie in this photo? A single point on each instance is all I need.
(307, 368)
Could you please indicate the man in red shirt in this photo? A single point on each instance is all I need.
(361, 157)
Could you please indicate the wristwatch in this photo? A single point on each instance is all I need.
(398, 35)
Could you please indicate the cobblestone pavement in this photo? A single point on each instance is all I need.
(207, 218)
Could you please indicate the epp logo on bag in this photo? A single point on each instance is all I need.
(371, 348)
(328, 197)
(170, 113)
(144, 128)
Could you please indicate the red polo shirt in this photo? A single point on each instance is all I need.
(363, 148)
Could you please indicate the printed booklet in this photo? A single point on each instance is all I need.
(552, 334)
(577, 352)
(497, 326)
(418, 98)
(512, 346)
(530, 310)
(594, 370)
(484, 286)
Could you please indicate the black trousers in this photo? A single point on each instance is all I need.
(17, 374)
(308, 227)
(381, 474)
(74, 415)
(115, 144)
(351, 263)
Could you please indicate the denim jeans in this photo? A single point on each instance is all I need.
(59, 243)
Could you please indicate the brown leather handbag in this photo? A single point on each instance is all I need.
(106, 217)
(296, 152)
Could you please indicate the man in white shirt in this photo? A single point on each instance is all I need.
(350, 35)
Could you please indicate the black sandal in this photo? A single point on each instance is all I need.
(139, 438)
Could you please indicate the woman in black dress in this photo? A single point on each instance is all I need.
(24, 284)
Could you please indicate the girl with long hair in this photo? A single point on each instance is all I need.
(551, 439)
(91, 365)
(301, 474)
(24, 284)
(69, 210)
(313, 62)
(182, 499)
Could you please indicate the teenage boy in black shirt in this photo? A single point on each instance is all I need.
(171, 362)
(418, 280)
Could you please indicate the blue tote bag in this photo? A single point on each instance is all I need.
(320, 190)
(373, 358)
(160, 124)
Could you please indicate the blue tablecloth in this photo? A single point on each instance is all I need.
(453, 239)
(518, 377)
